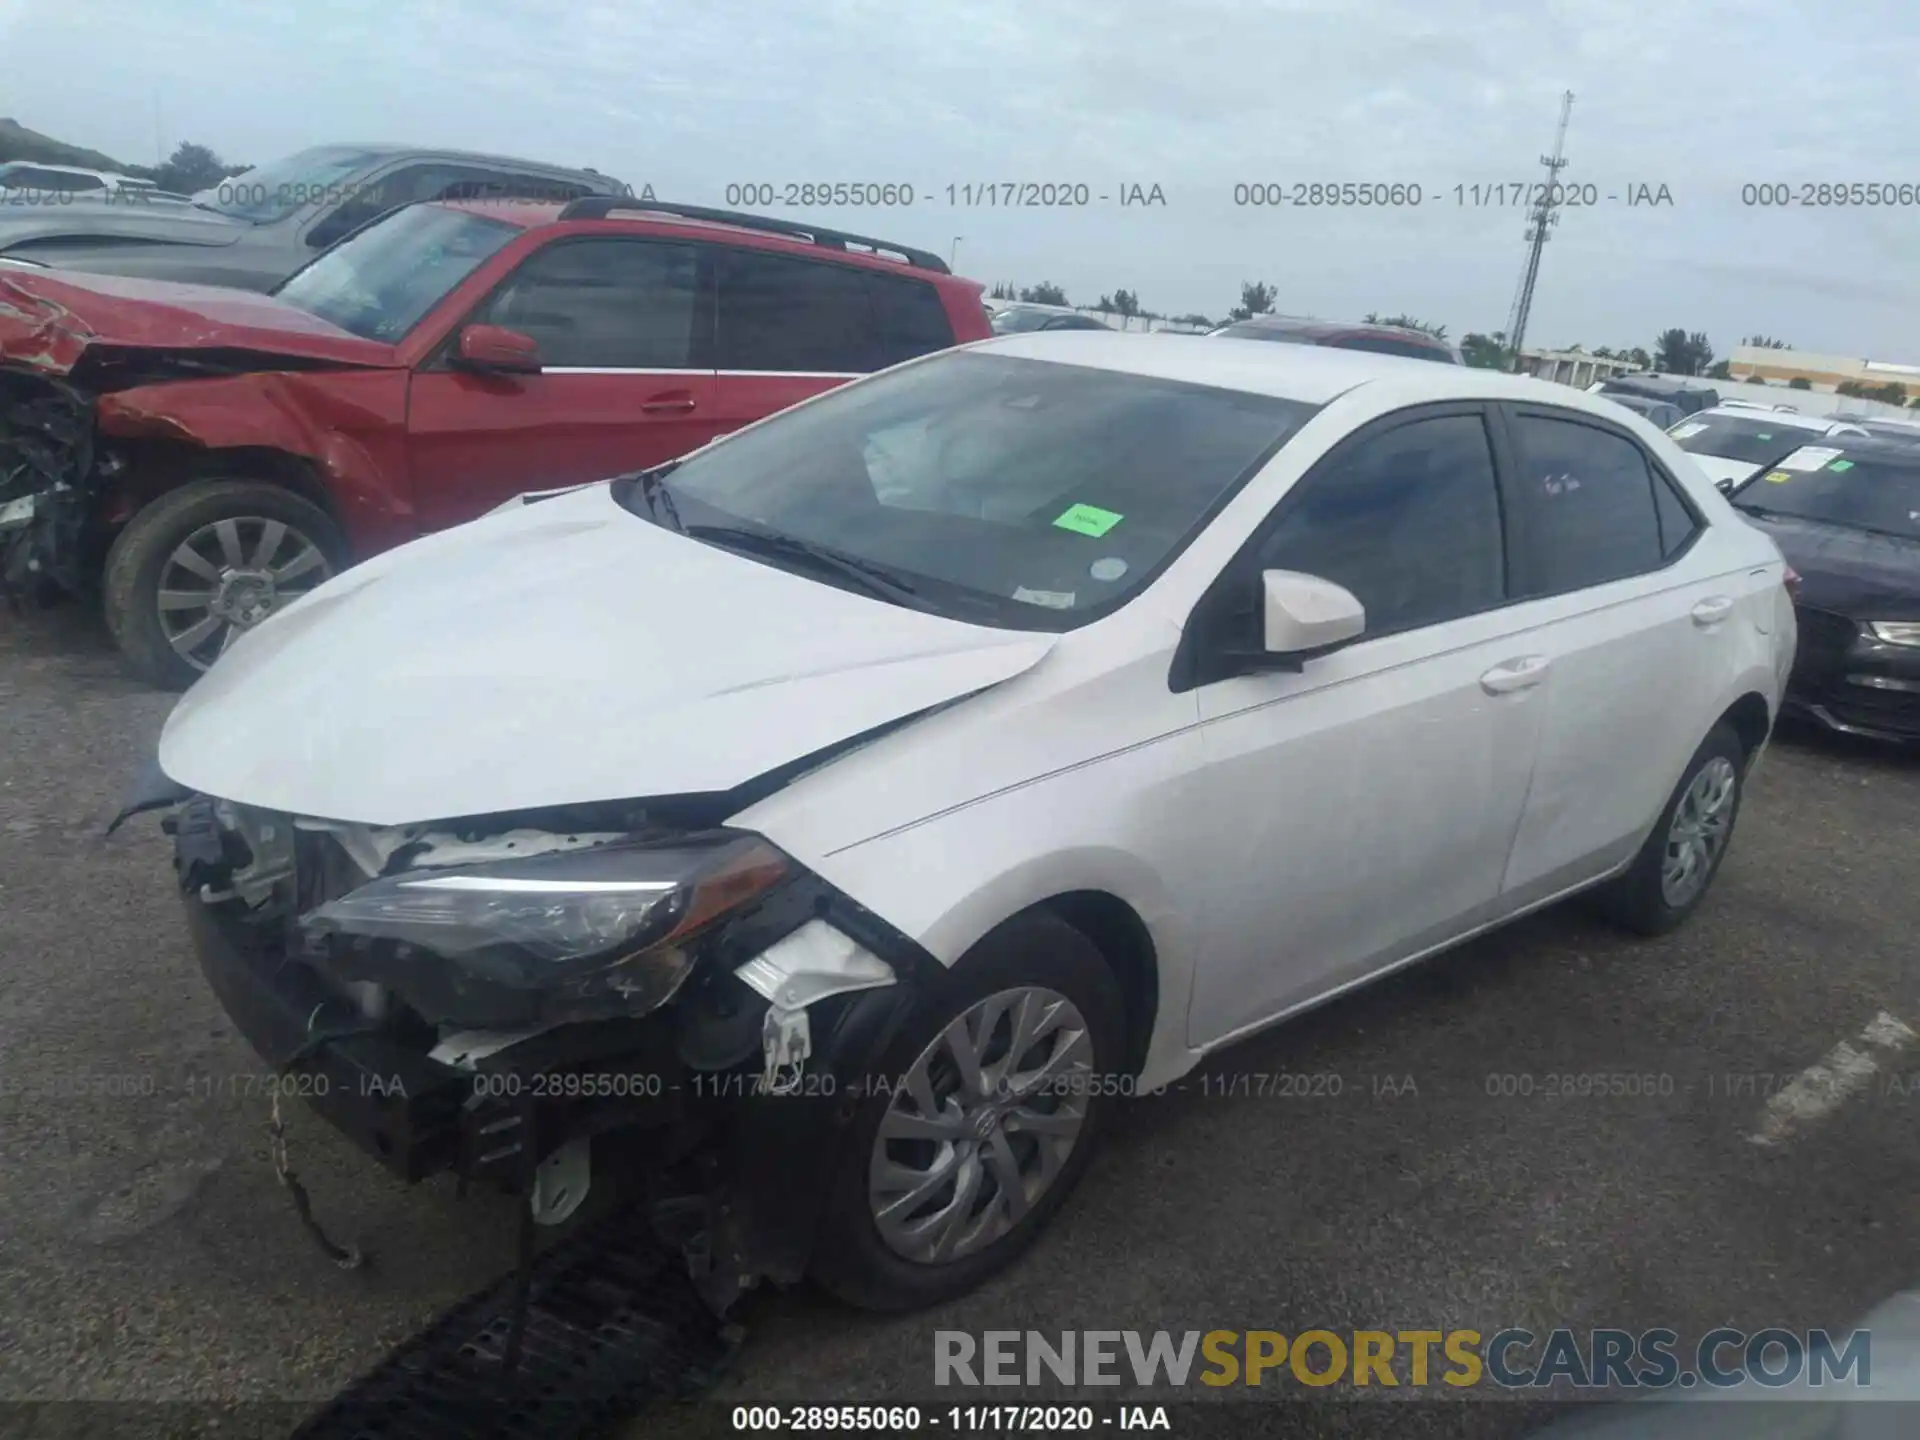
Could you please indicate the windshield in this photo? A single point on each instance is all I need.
(1012, 322)
(1004, 491)
(1863, 492)
(381, 282)
(271, 192)
(1752, 440)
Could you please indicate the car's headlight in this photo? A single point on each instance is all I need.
(1896, 632)
(609, 918)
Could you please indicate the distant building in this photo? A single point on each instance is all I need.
(1822, 372)
(1577, 368)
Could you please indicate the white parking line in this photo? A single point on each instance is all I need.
(1820, 1088)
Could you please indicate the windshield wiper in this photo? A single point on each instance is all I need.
(876, 580)
(652, 485)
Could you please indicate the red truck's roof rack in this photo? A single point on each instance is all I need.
(599, 207)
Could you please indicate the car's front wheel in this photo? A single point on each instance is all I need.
(983, 1119)
(204, 563)
(1670, 876)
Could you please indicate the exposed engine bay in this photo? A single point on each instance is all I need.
(550, 1003)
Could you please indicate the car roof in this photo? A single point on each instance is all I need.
(385, 148)
(1819, 423)
(1309, 329)
(1660, 384)
(635, 215)
(1036, 305)
(1311, 374)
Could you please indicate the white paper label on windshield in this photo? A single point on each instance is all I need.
(1052, 599)
(1682, 432)
(1810, 457)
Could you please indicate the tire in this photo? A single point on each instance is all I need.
(144, 552)
(853, 1259)
(1639, 899)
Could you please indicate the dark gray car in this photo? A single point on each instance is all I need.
(255, 229)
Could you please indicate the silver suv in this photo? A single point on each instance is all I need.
(255, 229)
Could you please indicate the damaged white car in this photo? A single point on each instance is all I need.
(822, 832)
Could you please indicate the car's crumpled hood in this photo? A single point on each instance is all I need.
(49, 318)
(562, 653)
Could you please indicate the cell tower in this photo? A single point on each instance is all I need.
(1540, 222)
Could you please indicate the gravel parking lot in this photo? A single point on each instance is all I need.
(146, 1252)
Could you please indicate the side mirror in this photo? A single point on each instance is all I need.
(1303, 614)
(493, 349)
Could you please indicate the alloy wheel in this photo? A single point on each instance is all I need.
(981, 1125)
(228, 576)
(1699, 831)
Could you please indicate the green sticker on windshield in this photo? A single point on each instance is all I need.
(1841, 465)
(1088, 520)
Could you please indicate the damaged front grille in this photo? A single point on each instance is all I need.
(47, 450)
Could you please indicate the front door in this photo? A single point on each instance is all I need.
(622, 332)
(1366, 805)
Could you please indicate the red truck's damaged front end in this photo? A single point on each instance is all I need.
(114, 390)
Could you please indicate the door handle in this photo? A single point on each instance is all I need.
(1712, 610)
(668, 404)
(1510, 675)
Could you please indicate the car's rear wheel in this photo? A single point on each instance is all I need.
(207, 562)
(992, 1101)
(1674, 869)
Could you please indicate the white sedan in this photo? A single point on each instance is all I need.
(869, 800)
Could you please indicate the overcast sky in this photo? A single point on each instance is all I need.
(1192, 95)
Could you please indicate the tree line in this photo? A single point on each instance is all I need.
(1675, 351)
(189, 168)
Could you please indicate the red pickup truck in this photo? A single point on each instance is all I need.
(203, 454)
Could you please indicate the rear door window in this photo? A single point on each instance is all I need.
(1587, 506)
(790, 316)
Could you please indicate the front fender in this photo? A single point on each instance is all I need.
(350, 426)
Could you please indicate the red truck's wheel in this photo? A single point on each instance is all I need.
(205, 562)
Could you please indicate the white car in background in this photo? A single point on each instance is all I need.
(1166, 691)
(23, 182)
(1733, 442)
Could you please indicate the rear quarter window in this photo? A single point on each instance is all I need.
(908, 318)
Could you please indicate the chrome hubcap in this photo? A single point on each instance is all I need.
(1699, 831)
(227, 577)
(981, 1125)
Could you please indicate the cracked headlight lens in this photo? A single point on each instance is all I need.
(557, 916)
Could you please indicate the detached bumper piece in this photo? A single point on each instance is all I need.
(1848, 681)
(612, 1324)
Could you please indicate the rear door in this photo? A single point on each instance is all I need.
(788, 328)
(622, 323)
(1635, 628)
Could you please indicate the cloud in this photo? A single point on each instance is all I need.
(1195, 97)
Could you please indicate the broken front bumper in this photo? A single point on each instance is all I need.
(663, 1091)
(48, 472)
